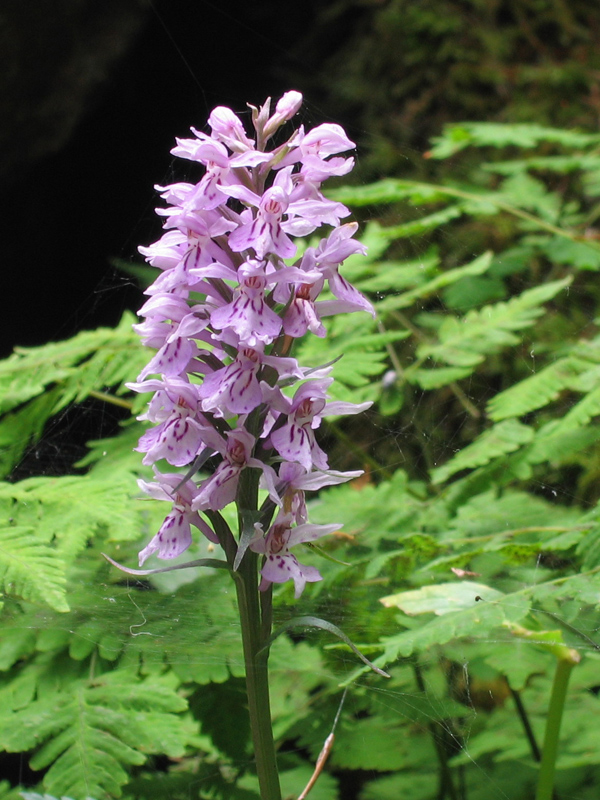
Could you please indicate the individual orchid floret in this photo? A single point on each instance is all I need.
(302, 314)
(294, 481)
(285, 109)
(281, 565)
(170, 394)
(177, 440)
(235, 389)
(248, 315)
(227, 128)
(313, 149)
(220, 489)
(263, 233)
(295, 439)
(174, 535)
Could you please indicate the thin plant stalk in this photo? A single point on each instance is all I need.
(565, 663)
(257, 678)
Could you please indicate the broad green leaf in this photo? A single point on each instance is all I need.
(377, 744)
(409, 785)
(441, 598)
(479, 620)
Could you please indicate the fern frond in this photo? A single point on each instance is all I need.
(465, 342)
(458, 136)
(90, 735)
(436, 378)
(37, 382)
(105, 352)
(447, 278)
(31, 569)
(582, 413)
(390, 190)
(533, 392)
(69, 510)
(21, 426)
(503, 438)
(394, 276)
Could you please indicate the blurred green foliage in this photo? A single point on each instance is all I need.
(396, 71)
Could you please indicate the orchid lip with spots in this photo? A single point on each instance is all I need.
(223, 315)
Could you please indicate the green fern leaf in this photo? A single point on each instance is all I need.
(559, 164)
(70, 509)
(20, 427)
(465, 342)
(31, 569)
(436, 378)
(36, 383)
(582, 413)
(107, 352)
(393, 276)
(432, 221)
(388, 191)
(476, 267)
(457, 137)
(503, 438)
(557, 444)
(90, 734)
(534, 392)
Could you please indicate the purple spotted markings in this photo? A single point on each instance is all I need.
(230, 299)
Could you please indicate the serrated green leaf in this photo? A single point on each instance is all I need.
(477, 621)
(525, 191)
(378, 744)
(576, 254)
(441, 598)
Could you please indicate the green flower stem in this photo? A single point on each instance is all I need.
(566, 659)
(565, 663)
(257, 677)
(255, 619)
